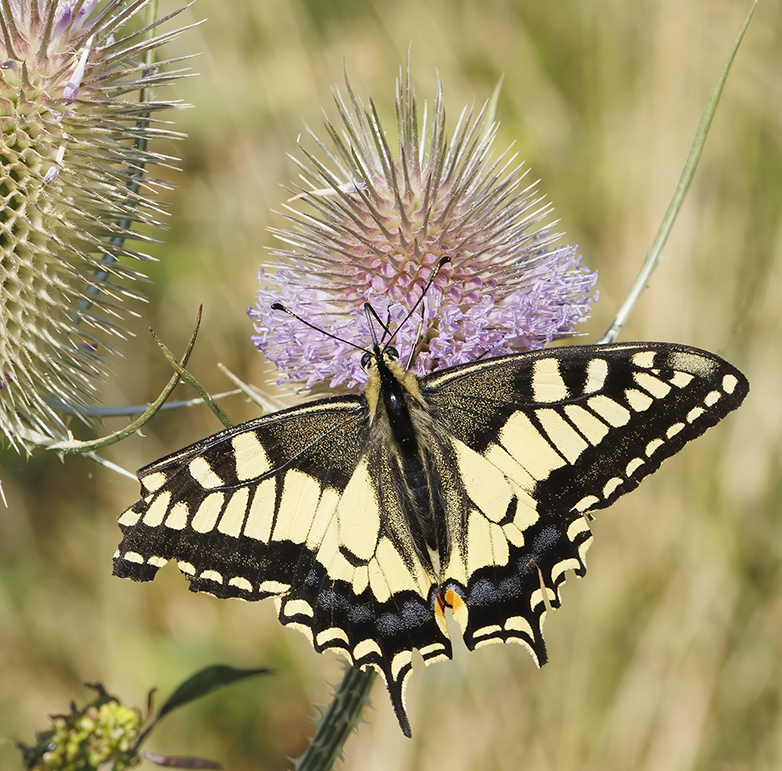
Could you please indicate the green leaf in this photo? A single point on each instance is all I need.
(204, 682)
(674, 207)
(179, 761)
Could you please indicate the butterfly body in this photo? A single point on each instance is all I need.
(367, 516)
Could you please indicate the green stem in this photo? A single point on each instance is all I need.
(74, 447)
(655, 253)
(191, 380)
(338, 721)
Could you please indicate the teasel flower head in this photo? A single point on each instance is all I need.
(377, 224)
(75, 119)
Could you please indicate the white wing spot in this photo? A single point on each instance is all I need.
(519, 624)
(653, 385)
(590, 426)
(434, 652)
(529, 447)
(241, 583)
(681, 379)
(612, 412)
(561, 434)
(249, 456)
(638, 400)
(157, 510)
(205, 517)
(597, 372)
(366, 648)
(539, 597)
(399, 662)
(129, 517)
(261, 515)
(212, 575)
(486, 543)
(177, 516)
(153, 482)
(158, 562)
(674, 429)
(186, 568)
(610, 486)
(561, 567)
(586, 503)
(633, 466)
(203, 473)
(274, 587)
(729, 383)
(298, 608)
(327, 635)
(486, 632)
(547, 383)
(358, 514)
(132, 556)
(233, 517)
(322, 517)
(300, 495)
(518, 477)
(360, 580)
(653, 446)
(486, 485)
(712, 398)
(694, 414)
(577, 526)
(514, 534)
(644, 359)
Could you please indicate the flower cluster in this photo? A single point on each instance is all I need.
(74, 125)
(379, 222)
(102, 736)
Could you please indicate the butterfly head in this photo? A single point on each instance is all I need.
(388, 381)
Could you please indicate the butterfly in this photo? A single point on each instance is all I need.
(367, 516)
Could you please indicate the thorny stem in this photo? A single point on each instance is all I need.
(338, 721)
(191, 380)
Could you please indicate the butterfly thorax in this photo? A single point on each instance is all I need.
(398, 412)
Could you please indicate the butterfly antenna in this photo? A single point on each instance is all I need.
(369, 311)
(385, 326)
(427, 287)
(281, 307)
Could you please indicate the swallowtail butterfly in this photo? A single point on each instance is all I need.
(366, 516)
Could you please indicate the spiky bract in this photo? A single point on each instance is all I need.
(73, 134)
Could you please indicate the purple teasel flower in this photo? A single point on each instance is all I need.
(379, 223)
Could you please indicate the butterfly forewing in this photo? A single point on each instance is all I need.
(311, 505)
(220, 508)
(542, 439)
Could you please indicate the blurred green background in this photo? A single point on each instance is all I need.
(669, 655)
